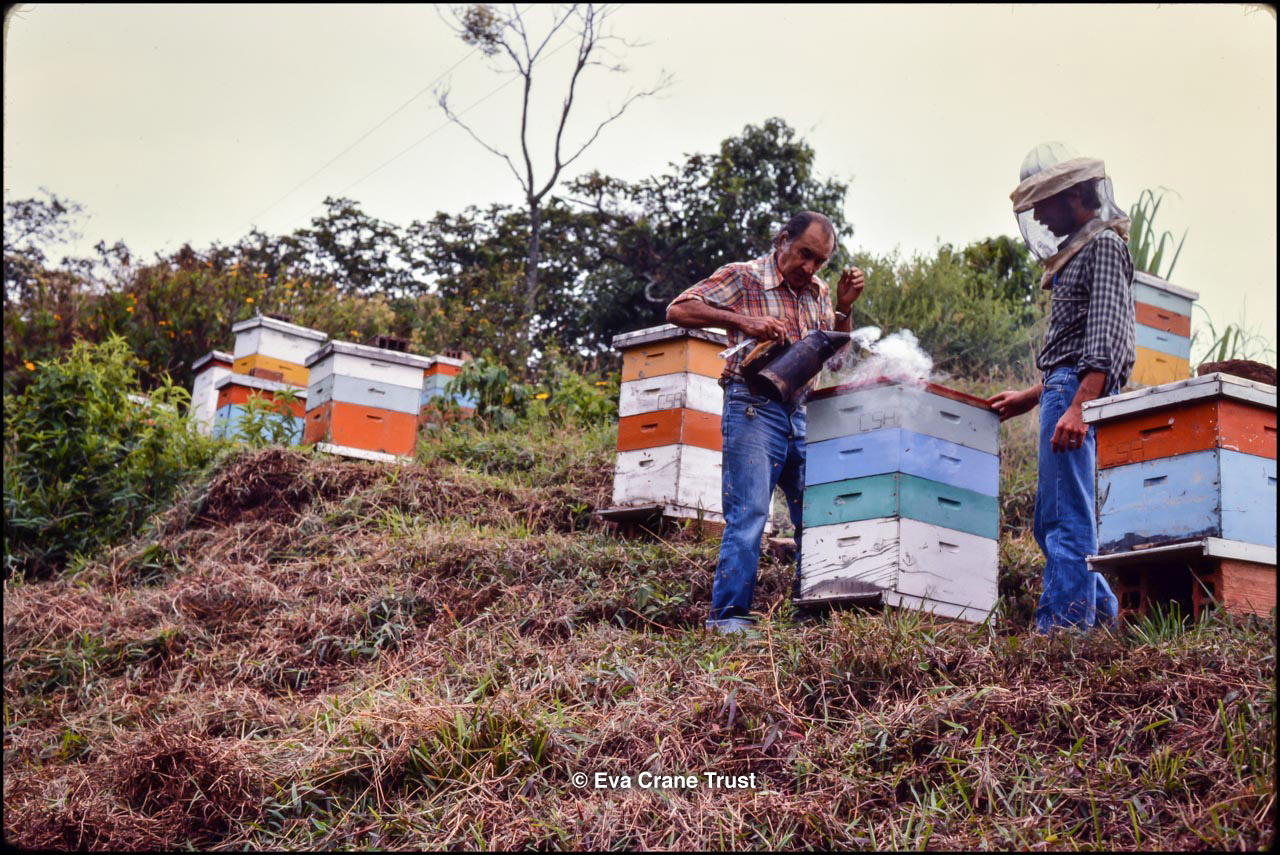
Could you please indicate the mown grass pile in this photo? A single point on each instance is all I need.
(307, 652)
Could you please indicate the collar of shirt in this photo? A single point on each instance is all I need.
(770, 277)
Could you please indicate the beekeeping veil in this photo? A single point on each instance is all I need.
(1046, 171)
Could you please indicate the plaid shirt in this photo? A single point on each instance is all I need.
(755, 288)
(1091, 321)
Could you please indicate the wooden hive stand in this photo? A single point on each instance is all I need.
(1239, 577)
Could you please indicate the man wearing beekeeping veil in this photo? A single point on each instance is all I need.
(1072, 225)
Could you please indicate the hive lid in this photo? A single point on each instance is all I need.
(219, 355)
(1216, 385)
(1156, 282)
(649, 335)
(278, 326)
(260, 383)
(366, 352)
(931, 388)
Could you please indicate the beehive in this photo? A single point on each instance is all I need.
(669, 439)
(363, 399)
(233, 392)
(436, 382)
(1163, 330)
(275, 345)
(902, 498)
(208, 369)
(1185, 461)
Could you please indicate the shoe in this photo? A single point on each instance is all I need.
(731, 626)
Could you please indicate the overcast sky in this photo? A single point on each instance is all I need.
(175, 124)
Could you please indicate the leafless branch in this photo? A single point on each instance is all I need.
(442, 98)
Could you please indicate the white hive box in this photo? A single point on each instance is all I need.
(684, 479)
(209, 369)
(902, 562)
(275, 345)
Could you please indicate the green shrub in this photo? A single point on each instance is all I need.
(964, 316)
(83, 464)
(566, 396)
(501, 399)
(269, 420)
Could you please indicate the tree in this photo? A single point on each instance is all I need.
(656, 237)
(30, 227)
(507, 36)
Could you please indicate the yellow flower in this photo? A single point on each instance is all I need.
(128, 309)
(31, 366)
(260, 275)
(541, 396)
(57, 317)
(353, 332)
(163, 323)
(601, 383)
(248, 299)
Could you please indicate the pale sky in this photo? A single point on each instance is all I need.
(175, 124)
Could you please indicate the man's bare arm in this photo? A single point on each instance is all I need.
(699, 315)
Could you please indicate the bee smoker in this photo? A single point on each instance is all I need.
(778, 371)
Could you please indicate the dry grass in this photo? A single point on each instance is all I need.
(311, 653)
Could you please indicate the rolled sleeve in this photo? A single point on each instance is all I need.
(722, 289)
(1109, 324)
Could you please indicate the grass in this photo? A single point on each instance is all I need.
(313, 653)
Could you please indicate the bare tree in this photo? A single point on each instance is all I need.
(506, 36)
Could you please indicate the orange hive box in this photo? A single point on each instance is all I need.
(669, 349)
(1163, 319)
(358, 426)
(1194, 426)
(236, 393)
(669, 427)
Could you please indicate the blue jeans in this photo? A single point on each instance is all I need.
(763, 449)
(1064, 526)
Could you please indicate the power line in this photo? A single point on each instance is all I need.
(362, 137)
(369, 132)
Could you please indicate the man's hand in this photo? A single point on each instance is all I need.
(762, 329)
(1011, 403)
(850, 288)
(1070, 431)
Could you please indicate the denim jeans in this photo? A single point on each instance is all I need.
(1064, 524)
(763, 449)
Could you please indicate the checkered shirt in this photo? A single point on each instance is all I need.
(755, 288)
(1091, 320)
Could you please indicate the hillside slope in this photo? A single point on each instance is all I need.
(308, 652)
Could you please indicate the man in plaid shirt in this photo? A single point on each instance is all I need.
(1089, 352)
(775, 297)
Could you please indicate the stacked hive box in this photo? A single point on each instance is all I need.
(268, 344)
(435, 384)
(233, 392)
(901, 498)
(1188, 461)
(363, 401)
(209, 369)
(1163, 315)
(669, 423)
